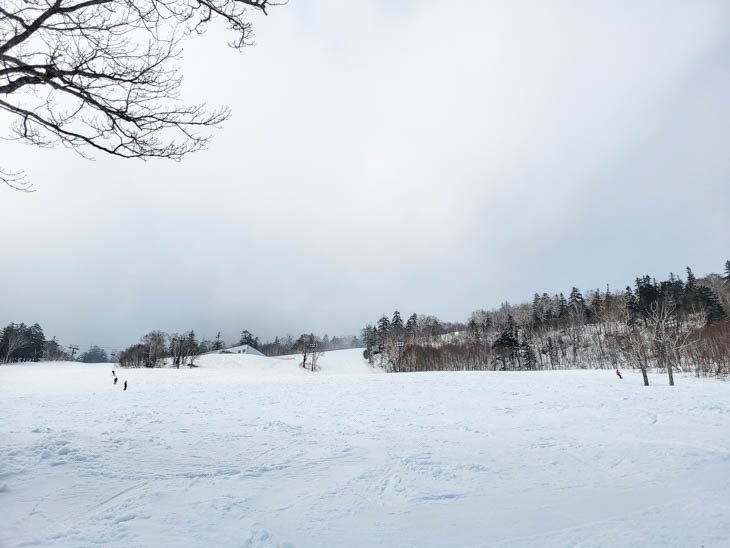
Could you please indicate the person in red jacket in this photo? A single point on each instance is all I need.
(619, 374)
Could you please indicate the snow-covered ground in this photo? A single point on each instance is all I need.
(260, 453)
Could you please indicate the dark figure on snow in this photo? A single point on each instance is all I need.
(125, 386)
(113, 373)
(115, 380)
(618, 373)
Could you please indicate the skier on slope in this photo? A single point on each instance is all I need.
(618, 373)
(125, 386)
(115, 380)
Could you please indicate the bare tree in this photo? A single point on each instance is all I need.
(710, 349)
(16, 340)
(179, 349)
(156, 344)
(669, 338)
(310, 348)
(101, 75)
(315, 351)
(134, 356)
(634, 345)
(193, 352)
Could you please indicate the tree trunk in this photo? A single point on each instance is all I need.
(670, 373)
(646, 377)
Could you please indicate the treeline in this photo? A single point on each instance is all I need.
(673, 324)
(154, 349)
(290, 345)
(157, 348)
(23, 343)
(27, 343)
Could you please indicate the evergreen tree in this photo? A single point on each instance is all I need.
(632, 306)
(727, 273)
(576, 299)
(647, 294)
(707, 299)
(507, 345)
(411, 324)
(689, 300)
(218, 343)
(37, 342)
(383, 329)
(94, 355)
(249, 339)
(562, 306)
(673, 290)
(597, 305)
(369, 337)
(191, 344)
(396, 323)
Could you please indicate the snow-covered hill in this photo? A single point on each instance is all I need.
(258, 367)
(260, 453)
(336, 362)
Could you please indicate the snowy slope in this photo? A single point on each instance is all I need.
(228, 456)
(337, 362)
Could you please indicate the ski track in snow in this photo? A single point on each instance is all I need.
(252, 452)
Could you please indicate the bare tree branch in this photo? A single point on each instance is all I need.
(16, 180)
(102, 75)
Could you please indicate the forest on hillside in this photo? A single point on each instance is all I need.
(673, 324)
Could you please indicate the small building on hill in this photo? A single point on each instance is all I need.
(241, 349)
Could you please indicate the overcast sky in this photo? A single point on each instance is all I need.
(429, 156)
